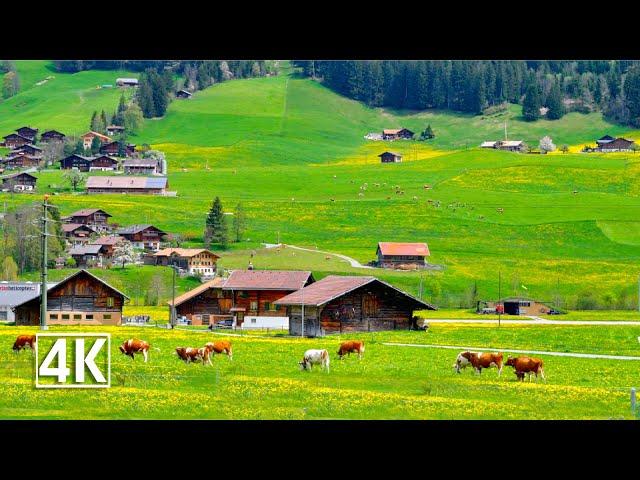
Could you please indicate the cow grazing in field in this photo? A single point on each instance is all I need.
(190, 354)
(223, 346)
(24, 341)
(351, 346)
(526, 365)
(133, 345)
(315, 357)
(478, 361)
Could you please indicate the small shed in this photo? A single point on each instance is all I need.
(183, 94)
(127, 82)
(390, 157)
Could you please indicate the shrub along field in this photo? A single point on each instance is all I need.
(563, 225)
(263, 380)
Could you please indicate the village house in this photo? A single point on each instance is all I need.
(29, 149)
(195, 261)
(397, 133)
(21, 160)
(128, 184)
(52, 136)
(146, 237)
(76, 233)
(86, 255)
(15, 293)
(80, 299)
(402, 255)
(112, 148)
(349, 304)
(102, 163)
(390, 157)
(183, 94)
(14, 140)
(519, 306)
(142, 166)
(609, 144)
(95, 218)
(246, 296)
(510, 145)
(28, 132)
(87, 139)
(127, 82)
(108, 244)
(114, 129)
(19, 182)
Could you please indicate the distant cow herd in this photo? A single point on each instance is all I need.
(522, 366)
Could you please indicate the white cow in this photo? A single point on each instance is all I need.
(315, 357)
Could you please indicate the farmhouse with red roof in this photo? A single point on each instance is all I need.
(402, 255)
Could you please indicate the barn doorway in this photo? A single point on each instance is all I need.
(512, 308)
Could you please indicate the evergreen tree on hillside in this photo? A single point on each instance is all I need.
(95, 145)
(216, 226)
(554, 103)
(239, 222)
(632, 95)
(531, 103)
(103, 122)
(79, 148)
(428, 133)
(95, 122)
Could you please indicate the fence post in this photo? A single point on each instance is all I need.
(633, 400)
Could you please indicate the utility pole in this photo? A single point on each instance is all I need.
(43, 286)
(302, 293)
(173, 301)
(499, 295)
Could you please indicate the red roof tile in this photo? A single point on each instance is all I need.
(398, 248)
(267, 280)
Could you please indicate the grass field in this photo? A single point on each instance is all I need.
(263, 381)
(286, 147)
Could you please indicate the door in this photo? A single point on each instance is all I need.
(239, 319)
(225, 304)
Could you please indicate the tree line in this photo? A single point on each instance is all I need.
(610, 86)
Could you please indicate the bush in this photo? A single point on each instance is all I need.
(70, 262)
(587, 301)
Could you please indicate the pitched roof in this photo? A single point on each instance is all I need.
(185, 91)
(85, 212)
(70, 227)
(28, 146)
(267, 280)
(95, 134)
(392, 153)
(140, 162)
(335, 286)
(215, 283)
(403, 248)
(136, 228)
(115, 127)
(108, 240)
(12, 135)
(52, 132)
(183, 252)
(488, 144)
(511, 143)
(85, 249)
(127, 182)
(606, 138)
(128, 80)
(391, 131)
(7, 177)
(29, 129)
(88, 159)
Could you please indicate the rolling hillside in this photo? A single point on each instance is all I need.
(293, 153)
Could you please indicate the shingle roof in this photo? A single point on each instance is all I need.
(70, 227)
(183, 252)
(85, 249)
(334, 286)
(400, 248)
(85, 212)
(109, 240)
(127, 182)
(216, 282)
(267, 280)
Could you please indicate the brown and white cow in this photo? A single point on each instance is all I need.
(191, 354)
(133, 345)
(351, 346)
(24, 341)
(526, 365)
(222, 346)
(315, 357)
(478, 361)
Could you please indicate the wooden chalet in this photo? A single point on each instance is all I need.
(101, 163)
(112, 148)
(615, 145)
(114, 129)
(108, 244)
(29, 149)
(77, 233)
(21, 160)
(390, 157)
(397, 133)
(183, 94)
(142, 166)
(195, 261)
(348, 304)
(245, 296)
(402, 255)
(510, 145)
(19, 182)
(95, 218)
(128, 184)
(28, 132)
(52, 136)
(14, 140)
(87, 138)
(88, 255)
(145, 237)
(80, 299)
(127, 82)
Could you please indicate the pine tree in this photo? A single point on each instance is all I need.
(94, 125)
(531, 103)
(239, 222)
(428, 133)
(103, 122)
(216, 225)
(554, 103)
(632, 95)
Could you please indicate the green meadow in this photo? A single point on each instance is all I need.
(564, 226)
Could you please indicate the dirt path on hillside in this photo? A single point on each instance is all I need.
(352, 261)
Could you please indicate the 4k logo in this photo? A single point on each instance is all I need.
(84, 352)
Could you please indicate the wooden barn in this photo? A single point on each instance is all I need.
(615, 145)
(127, 82)
(21, 160)
(108, 244)
(76, 233)
(79, 162)
(145, 237)
(88, 255)
(114, 129)
(128, 184)
(19, 182)
(397, 133)
(349, 304)
(96, 218)
(183, 94)
(14, 140)
(80, 299)
(29, 149)
(402, 254)
(28, 132)
(247, 296)
(142, 166)
(112, 148)
(52, 136)
(390, 157)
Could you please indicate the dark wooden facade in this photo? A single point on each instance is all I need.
(52, 136)
(19, 182)
(112, 148)
(74, 160)
(79, 299)
(390, 157)
(22, 161)
(183, 94)
(617, 145)
(28, 132)
(13, 140)
(98, 218)
(146, 237)
(30, 150)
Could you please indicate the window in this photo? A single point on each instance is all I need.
(243, 294)
(77, 316)
(106, 316)
(53, 316)
(110, 302)
(88, 316)
(269, 306)
(65, 316)
(253, 305)
(253, 320)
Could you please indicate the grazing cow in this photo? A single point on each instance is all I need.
(315, 357)
(23, 341)
(478, 361)
(349, 347)
(190, 354)
(526, 365)
(133, 345)
(223, 346)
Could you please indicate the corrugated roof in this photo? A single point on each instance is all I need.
(334, 286)
(182, 252)
(267, 280)
(140, 162)
(400, 248)
(121, 182)
(85, 249)
(215, 283)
